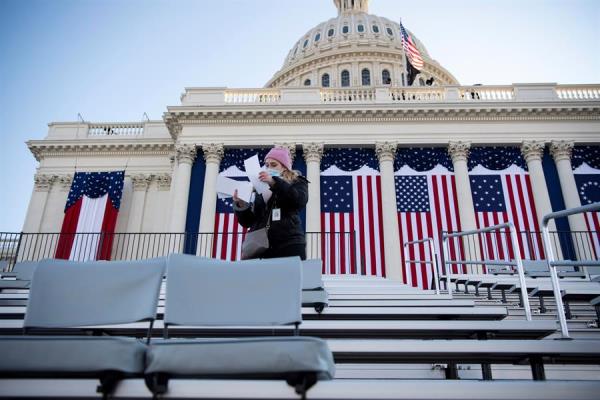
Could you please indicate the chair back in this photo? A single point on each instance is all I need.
(208, 292)
(311, 274)
(76, 294)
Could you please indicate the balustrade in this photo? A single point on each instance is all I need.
(250, 96)
(116, 129)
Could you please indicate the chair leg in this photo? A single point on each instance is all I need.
(452, 371)
(108, 382)
(301, 382)
(486, 371)
(568, 314)
(537, 369)
(543, 308)
(157, 383)
(489, 290)
(597, 307)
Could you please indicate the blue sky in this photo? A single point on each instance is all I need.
(113, 60)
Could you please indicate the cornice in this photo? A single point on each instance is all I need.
(177, 117)
(44, 148)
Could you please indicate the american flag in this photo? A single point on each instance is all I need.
(589, 192)
(90, 216)
(228, 234)
(427, 205)
(410, 49)
(351, 215)
(500, 198)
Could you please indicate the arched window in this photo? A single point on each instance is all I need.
(421, 82)
(317, 37)
(307, 82)
(360, 28)
(325, 80)
(386, 79)
(389, 31)
(330, 32)
(366, 77)
(375, 29)
(345, 78)
(345, 29)
(305, 43)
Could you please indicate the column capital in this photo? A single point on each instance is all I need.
(533, 150)
(163, 181)
(141, 181)
(561, 149)
(213, 152)
(291, 148)
(386, 151)
(43, 182)
(65, 182)
(313, 151)
(185, 153)
(459, 151)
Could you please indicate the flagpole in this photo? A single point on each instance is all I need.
(405, 73)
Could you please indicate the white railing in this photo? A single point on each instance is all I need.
(350, 95)
(116, 129)
(487, 93)
(578, 92)
(417, 94)
(251, 96)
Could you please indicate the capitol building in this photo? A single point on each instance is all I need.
(387, 162)
(441, 263)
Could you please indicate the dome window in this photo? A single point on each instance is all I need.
(345, 78)
(330, 32)
(317, 37)
(345, 29)
(366, 77)
(325, 80)
(390, 31)
(375, 29)
(360, 28)
(305, 43)
(386, 79)
(307, 82)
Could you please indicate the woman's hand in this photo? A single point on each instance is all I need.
(266, 177)
(238, 202)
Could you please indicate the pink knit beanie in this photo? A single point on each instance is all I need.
(282, 155)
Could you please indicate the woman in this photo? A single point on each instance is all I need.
(282, 210)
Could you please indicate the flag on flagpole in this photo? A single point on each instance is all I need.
(90, 216)
(410, 49)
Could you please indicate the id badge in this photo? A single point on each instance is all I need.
(276, 214)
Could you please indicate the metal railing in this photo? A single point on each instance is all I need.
(433, 260)
(553, 262)
(518, 262)
(334, 248)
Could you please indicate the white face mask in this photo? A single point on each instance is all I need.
(273, 172)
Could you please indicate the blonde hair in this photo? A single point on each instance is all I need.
(290, 175)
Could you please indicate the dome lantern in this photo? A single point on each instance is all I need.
(352, 6)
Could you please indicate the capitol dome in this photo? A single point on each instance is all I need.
(354, 49)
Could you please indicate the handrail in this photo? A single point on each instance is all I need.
(434, 260)
(517, 254)
(562, 319)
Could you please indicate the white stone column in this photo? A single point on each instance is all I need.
(186, 154)
(561, 152)
(213, 153)
(533, 151)
(37, 203)
(313, 152)
(459, 152)
(138, 201)
(386, 152)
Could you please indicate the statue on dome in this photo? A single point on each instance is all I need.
(349, 6)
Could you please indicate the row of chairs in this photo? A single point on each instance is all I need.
(67, 298)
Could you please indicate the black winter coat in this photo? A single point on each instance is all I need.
(290, 198)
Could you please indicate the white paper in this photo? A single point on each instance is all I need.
(252, 170)
(227, 186)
